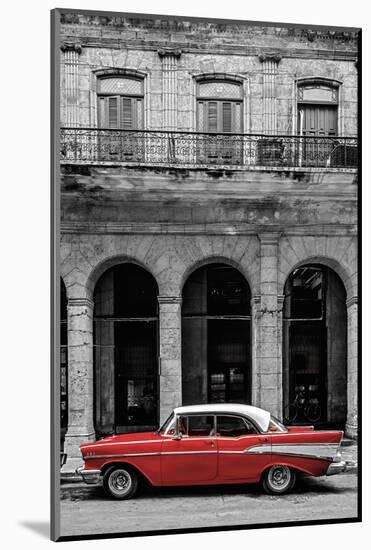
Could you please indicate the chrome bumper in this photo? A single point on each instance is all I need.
(89, 476)
(342, 466)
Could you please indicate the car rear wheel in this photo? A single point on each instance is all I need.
(120, 482)
(279, 480)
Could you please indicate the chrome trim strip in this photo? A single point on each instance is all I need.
(123, 442)
(151, 454)
(189, 452)
(120, 455)
(325, 451)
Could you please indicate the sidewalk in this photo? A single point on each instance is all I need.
(349, 452)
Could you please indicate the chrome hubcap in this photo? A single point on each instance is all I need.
(279, 477)
(120, 481)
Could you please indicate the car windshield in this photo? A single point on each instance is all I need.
(275, 425)
(168, 426)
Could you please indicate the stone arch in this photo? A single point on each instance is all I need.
(213, 260)
(340, 270)
(109, 262)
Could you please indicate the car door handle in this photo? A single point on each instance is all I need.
(265, 439)
(210, 442)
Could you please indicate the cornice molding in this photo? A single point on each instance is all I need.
(224, 49)
(230, 229)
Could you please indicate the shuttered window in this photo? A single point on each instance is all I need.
(219, 116)
(121, 112)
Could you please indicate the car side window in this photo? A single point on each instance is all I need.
(233, 426)
(196, 425)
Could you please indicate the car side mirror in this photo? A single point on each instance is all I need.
(177, 437)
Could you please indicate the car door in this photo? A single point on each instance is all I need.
(237, 438)
(190, 456)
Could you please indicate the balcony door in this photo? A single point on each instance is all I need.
(317, 117)
(219, 113)
(120, 113)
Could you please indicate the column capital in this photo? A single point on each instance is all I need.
(269, 237)
(169, 299)
(270, 56)
(280, 299)
(80, 302)
(71, 47)
(353, 300)
(169, 52)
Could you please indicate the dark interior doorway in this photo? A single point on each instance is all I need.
(314, 348)
(216, 339)
(125, 350)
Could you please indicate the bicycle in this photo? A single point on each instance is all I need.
(303, 408)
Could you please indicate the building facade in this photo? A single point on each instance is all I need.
(208, 221)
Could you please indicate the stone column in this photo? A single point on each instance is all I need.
(269, 328)
(170, 368)
(80, 378)
(351, 427)
(255, 347)
(70, 64)
(269, 65)
(169, 87)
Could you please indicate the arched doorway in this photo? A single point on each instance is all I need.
(63, 362)
(125, 350)
(315, 347)
(216, 340)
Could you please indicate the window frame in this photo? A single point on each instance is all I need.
(244, 419)
(219, 100)
(215, 415)
(134, 98)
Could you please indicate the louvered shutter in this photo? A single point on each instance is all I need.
(212, 116)
(102, 112)
(113, 112)
(127, 114)
(226, 117)
(139, 119)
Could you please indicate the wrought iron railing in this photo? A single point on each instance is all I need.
(193, 149)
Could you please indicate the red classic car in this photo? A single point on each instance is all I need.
(212, 444)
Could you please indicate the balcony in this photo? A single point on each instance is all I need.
(200, 150)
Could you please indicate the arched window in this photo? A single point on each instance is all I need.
(317, 116)
(120, 108)
(219, 112)
(120, 102)
(219, 106)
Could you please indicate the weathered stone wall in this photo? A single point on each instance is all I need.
(205, 48)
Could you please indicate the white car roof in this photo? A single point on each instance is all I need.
(259, 416)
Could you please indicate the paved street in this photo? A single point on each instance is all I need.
(86, 510)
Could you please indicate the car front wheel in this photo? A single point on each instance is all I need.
(279, 480)
(120, 482)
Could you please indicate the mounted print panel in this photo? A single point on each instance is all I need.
(207, 269)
